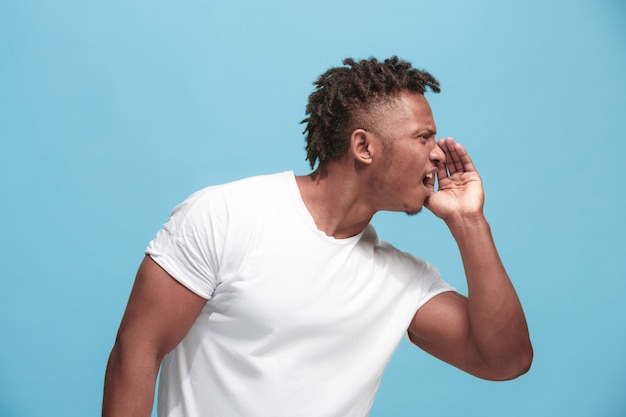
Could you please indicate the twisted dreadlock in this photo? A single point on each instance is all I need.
(342, 92)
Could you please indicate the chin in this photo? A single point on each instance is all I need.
(413, 212)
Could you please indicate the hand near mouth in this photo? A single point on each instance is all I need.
(460, 192)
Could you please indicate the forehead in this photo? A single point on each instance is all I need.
(409, 104)
(407, 110)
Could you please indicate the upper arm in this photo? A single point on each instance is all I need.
(441, 327)
(160, 311)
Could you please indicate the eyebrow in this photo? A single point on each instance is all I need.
(422, 131)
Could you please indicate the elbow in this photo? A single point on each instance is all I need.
(520, 367)
(525, 360)
(515, 366)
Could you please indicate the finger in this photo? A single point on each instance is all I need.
(442, 168)
(442, 172)
(464, 158)
(453, 158)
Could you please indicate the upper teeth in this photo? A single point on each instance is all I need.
(429, 175)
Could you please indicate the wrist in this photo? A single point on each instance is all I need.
(466, 219)
(468, 223)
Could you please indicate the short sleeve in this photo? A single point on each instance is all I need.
(186, 245)
(432, 284)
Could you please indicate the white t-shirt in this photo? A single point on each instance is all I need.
(297, 323)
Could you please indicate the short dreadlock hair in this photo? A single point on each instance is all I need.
(342, 92)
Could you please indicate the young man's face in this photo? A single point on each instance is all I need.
(404, 176)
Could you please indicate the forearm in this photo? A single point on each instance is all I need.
(129, 383)
(498, 328)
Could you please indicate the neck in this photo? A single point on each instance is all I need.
(336, 200)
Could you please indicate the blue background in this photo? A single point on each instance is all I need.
(112, 112)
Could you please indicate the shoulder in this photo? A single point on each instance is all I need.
(394, 258)
(247, 191)
(256, 184)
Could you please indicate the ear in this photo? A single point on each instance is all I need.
(361, 146)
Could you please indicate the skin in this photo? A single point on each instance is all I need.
(387, 167)
(159, 314)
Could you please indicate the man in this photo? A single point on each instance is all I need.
(273, 296)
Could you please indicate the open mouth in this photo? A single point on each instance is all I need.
(429, 180)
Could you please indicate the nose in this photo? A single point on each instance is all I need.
(437, 155)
